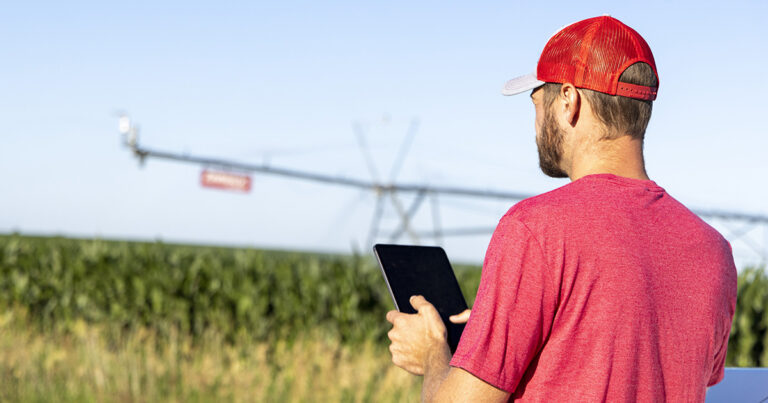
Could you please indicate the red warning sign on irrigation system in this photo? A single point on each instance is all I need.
(225, 181)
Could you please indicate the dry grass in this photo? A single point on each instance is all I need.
(89, 363)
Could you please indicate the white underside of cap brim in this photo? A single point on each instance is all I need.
(521, 84)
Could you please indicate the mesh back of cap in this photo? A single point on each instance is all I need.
(592, 54)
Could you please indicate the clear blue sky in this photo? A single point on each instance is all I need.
(282, 81)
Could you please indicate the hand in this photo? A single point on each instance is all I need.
(460, 317)
(418, 338)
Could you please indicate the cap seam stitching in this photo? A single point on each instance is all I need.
(584, 52)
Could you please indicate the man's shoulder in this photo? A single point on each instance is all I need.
(593, 203)
(546, 206)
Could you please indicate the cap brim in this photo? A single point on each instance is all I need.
(521, 84)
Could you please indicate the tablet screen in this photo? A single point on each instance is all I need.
(423, 270)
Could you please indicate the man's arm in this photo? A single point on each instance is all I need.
(420, 346)
(461, 386)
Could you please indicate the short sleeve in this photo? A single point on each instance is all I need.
(729, 301)
(514, 309)
(718, 367)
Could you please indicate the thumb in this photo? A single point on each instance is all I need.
(460, 317)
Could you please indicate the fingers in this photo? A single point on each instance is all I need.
(460, 317)
(427, 310)
(414, 336)
(392, 315)
(418, 302)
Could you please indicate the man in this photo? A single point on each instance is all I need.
(606, 289)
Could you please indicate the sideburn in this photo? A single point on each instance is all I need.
(550, 146)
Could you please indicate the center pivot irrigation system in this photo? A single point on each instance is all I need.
(737, 227)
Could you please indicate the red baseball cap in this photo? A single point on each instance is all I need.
(591, 54)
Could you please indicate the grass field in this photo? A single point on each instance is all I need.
(91, 364)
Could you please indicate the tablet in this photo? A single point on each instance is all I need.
(423, 270)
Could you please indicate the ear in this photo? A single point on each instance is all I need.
(571, 103)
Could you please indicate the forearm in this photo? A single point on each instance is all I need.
(436, 369)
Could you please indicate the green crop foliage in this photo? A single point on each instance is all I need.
(748, 345)
(239, 292)
(264, 295)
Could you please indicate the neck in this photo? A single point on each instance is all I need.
(622, 157)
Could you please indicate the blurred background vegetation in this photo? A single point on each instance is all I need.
(95, 320)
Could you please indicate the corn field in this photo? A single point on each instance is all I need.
(237, 293)
(266, 295)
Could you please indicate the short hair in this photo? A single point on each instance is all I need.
(619, 115)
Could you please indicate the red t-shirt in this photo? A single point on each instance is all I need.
(606, 289)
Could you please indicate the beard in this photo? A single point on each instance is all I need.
(550, 146)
